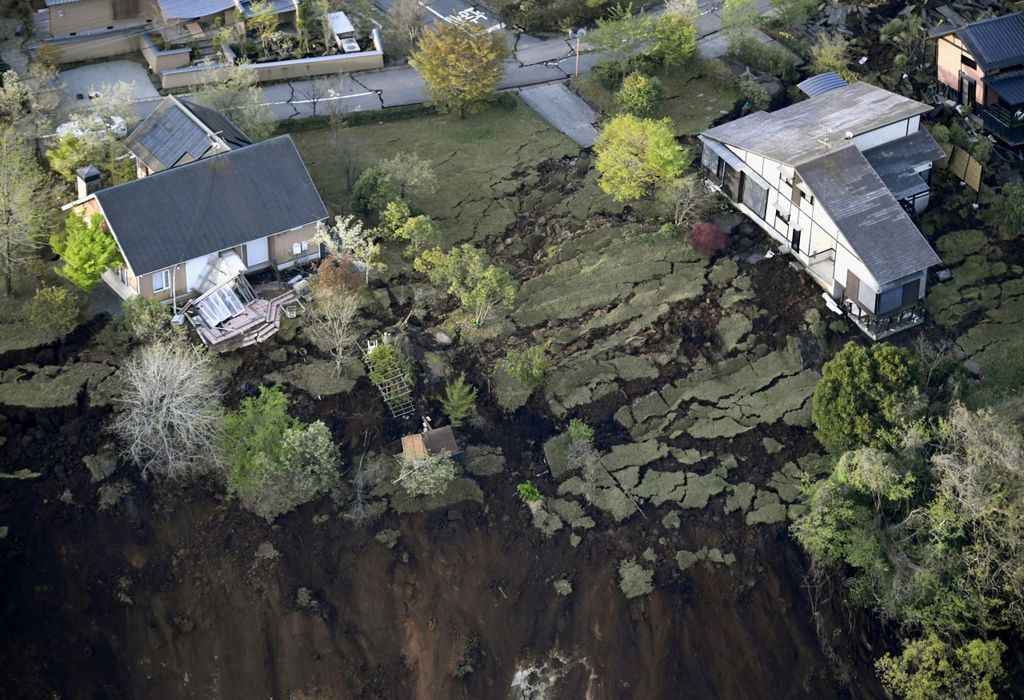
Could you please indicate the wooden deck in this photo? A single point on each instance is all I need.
(259, 321)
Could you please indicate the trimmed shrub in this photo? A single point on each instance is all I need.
(372, 192)
(640, 94)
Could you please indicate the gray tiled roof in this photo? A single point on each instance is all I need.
(896, 161)
(181, 131)
(995, 43)
(797, 133)
(1009, 85)
(211, 204)
(193, 9)
(870, 218)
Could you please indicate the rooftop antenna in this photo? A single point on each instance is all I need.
(824, 140)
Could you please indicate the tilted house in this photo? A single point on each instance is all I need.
(254, 206)
(834, 179)
(982, 66)
(178, 132)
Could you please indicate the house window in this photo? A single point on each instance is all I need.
(797, 195)
(161, 280)
(890, 300)
(968, 61)
(122, 274)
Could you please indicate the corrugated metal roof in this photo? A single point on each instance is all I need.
(798, 133)
(211, 204)
(896, 162)
(995, 43)
(1008, 85)
(822, 83)
(867, 214)
(193, 9)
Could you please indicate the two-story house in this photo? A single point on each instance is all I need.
(835, 179)
(982, 66)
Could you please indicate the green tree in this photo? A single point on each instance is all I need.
(831, 53)
(393, 218)
(385, 360)
(412, 174)
(461, 65)
(147, 321)
(73, 151)
(932, 669)
(791, 14)
(420, 231)
(263, 22)
(740, 20)
(580, 431)
(459, 400)
(640, 95)
(465, 273)
(429, 476)
(55, 308)
(373, 190)
(234, 89)
(1008, 211)
(864, 394)
(25, 206)
(528, 366)
(274, 461)
(620, 36)
(636, 156)
(86, 249)
(675, 38)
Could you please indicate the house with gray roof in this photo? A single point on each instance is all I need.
(836, 180)
(982, 66)
(185, 230)
(179, 131)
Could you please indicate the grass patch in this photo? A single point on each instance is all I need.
(16, 331)
(697, 94)
(504, 141)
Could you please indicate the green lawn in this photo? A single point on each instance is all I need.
(697, 93)
(474, 158)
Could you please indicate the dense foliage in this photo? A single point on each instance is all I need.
(865, 393)
(461, 65)
(528, 366)
(373, 190)
(465, 273)
(274, 461)
(86, 249)
(640, 94)
(636, 157)
(707, 238)
(459, 400)
(55, 308)
(429, 476)
(931, 669)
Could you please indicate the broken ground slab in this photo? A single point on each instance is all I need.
(685, 559)
(318, 377)
(51, 386)
(483, 460)
(726, 399)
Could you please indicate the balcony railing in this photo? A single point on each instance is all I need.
(1001, 122)
(881, 326)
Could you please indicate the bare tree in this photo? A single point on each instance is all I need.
(169, 414)
(407, 21)
(688, 198)
(367, 474)
(411, 173)
(313, 92)
(25, 195)
(333, 322)
(235, 90)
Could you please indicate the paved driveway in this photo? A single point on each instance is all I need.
(564, 110)
(78, 83)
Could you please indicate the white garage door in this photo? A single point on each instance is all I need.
(256, 253)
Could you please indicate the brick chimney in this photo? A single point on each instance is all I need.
(88, 180)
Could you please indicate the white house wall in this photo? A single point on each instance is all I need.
(885, 134)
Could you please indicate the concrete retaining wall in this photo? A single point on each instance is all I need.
(160, 61)
(286, 70)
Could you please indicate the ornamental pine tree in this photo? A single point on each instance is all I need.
(86, 249)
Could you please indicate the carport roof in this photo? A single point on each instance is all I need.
(210, 205)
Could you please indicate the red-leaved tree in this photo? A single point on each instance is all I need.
(707, 238)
